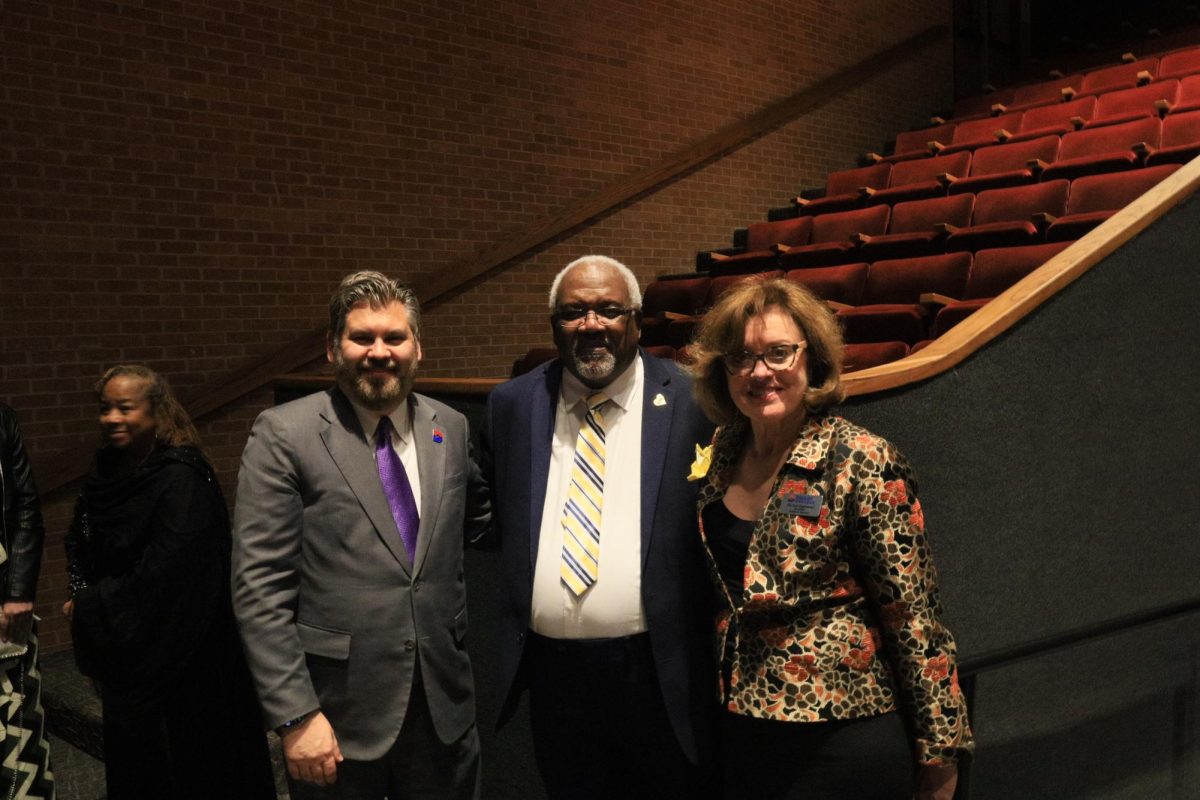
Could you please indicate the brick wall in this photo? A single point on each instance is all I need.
(182, 183)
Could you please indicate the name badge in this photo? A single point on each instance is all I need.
(802, 505)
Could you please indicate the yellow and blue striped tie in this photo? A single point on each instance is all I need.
(585, 497)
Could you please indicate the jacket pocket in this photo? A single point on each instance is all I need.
(323, 642)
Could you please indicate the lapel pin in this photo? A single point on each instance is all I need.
(437, 436)
(659, 400)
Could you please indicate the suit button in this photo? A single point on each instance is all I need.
(520, 638)
(416, 587)
(409, 644)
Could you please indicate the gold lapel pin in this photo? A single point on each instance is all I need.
(659, 400)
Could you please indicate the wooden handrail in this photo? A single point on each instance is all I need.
(1034, 289)
(63, 467)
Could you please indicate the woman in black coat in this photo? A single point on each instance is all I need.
(24, 749)
(150, 610)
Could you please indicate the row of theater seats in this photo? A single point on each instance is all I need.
(1075, 118)
(1050, 211)
(1177, 64)
(907, 300)
(909, 245)
(1146, 141)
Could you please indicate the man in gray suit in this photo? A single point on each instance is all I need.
(352, 509)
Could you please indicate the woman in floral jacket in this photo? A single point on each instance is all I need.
(838, 677)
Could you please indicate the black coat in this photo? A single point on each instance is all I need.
(22, 531)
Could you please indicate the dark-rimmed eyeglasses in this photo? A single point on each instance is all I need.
(776, 357)
(572, 317)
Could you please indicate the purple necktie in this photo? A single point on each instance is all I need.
(396, 487)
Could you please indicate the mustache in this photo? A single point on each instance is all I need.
(368, 364)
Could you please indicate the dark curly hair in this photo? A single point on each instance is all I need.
(172, 425)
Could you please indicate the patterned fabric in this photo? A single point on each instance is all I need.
(25, 752)
(840, 612)
(585, 498)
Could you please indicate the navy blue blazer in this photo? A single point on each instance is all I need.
(515, 459)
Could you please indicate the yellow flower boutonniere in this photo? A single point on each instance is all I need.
(701, 464)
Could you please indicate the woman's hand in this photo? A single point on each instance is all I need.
(68, 608)
(936, 782)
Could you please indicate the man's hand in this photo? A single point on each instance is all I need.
(68, 609)
(312, 751)
(16, 620)
(936, 782)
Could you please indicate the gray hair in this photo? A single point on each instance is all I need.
(631, 284)
(376, 289)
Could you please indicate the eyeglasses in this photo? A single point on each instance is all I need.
(572, 317)
(776, 357)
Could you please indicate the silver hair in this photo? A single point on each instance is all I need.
(376, 289)
(631, 284)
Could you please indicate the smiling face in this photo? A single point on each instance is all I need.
(765, 395)
(595, 352)
(375, 360)
(126, 420)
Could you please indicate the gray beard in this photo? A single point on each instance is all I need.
(595, 369)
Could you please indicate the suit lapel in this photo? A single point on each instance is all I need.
(658, 411)
(348, 447)
(431, 461)
(544, 405)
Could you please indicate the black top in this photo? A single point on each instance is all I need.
(729, 539)
(148, 558)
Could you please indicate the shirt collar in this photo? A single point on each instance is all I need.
(621, 390)
(401, 420)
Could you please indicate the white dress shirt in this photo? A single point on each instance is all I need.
(613, 605)
(402, 441)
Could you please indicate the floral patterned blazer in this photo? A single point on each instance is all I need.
(839, 612)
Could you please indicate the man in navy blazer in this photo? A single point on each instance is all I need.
(620, 675)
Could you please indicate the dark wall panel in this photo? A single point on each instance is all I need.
(1058, 464)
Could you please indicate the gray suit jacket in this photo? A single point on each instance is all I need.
(332, 613)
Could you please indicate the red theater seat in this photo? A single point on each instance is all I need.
(928, 177)
(1152, 100)
(679, 331)
(1095, 198)
(1007, 165)
(843, 189)
(670, 296)
(761, 239)
(919, 227)
(980, 105)
(1054, 120)
(916, 144)
(892, 309)
(872, 354)
(992, 272)
(1180, 140)
(1179, 64)
(1107, 149)
(1044, 93)
(1121, 76)
(1014, 216)
(980, 132)
(1189, 95)
(840, 284)
(833, 238)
